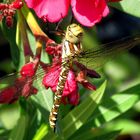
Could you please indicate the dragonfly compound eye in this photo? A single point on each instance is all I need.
(74, 33)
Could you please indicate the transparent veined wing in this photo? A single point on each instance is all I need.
(8, 80)
(16, 79)
(15, 85)
(94, 59)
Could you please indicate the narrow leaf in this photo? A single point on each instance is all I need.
(95, 135)
(77, 117)
(127, 126)
(10, 34)
(44, 96)
(116, 105)
(42, 131)
(18, 133)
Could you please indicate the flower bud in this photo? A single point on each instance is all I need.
(3, 6)
(9, 21)
(28, 70)
(17, 4)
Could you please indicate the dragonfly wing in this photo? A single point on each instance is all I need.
(94, 59)
(11, 79)
(8, 80)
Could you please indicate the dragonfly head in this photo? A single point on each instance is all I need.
(74, 33)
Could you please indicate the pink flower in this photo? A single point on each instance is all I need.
(52, 10)
(89, 12)
(22, 86)
(29, 69)
(7, 11)
(70, 92)
(8, 95)
(86, 12)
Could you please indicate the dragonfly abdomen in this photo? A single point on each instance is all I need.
(59, 90)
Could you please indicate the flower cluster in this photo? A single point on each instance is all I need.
(88, 12)
(23, 85)
(7, 11)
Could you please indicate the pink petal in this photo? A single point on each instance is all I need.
(73, 98)
(89, 12)
(88, 85)
(70, 94)
(51, 78)
(52, 10)
(17, 4)
(71, 84)
(8, 94)
(28, 70)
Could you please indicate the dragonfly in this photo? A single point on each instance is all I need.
(72, 51)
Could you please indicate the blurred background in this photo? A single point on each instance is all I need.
(122, 72)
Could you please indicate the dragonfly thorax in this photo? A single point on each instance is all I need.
(74, 33)
(71, 50)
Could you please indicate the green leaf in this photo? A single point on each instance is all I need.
(18, 132)
(116, 105)
(32, 41)
(107, 136)
(11, 110)
(137, 106)
(10, 34)
(44, 99)
(32, 119)
(25, 36)
(127, 126)
(79, 115)
(128, 6)
(44, 96)
(4, 134)
(95, 135)
(19, 42)
(42, 131)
